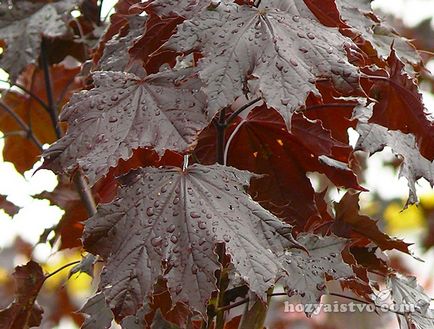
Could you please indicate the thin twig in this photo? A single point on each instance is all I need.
(28, 92)
(319, 106)
(61, 268)
(221, 128)
(233, 305)
(241, 109)
(231, 137)
(99, 11)
(49, 89)
(85, 193)
(23, 125)
(80, 182)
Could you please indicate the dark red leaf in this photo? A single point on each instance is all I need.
(24, 312)
(360, 228)
(167, 222)
(283, 158)
(400, 106)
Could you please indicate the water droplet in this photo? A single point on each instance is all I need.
(156, 241)
(171, 228)
(279, 66)
(113, 119)
(174, 239)
(310, 35)
(285, 101)
(194, 214)
(100, 138)
(293, 62)
(150, 211)
(296, 18)
(114, 97)
(227, 238)
(202, 241)
(202, 225)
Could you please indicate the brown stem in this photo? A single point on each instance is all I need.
(85, 193)
(223, 283)
(241, 109)
(320, 106)
(99, 12)
(23, 125)
(80, 182)
(221, 128)
(28, 92)
(52, 106)
(254, 317)
(60, 269)
(233, 305)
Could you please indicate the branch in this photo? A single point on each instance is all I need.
(233, 305)
(85, 193)
(241, 109)
(60, 269)
(80, 182)
(52, 107)
(28, 92)
(23, 125)
(221, 127)
(319, 106)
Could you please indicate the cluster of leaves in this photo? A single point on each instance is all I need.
(195, 127)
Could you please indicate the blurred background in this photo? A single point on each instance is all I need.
(20, 235)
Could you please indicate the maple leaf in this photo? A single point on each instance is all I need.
(158, 31)
(373, 138)
(183, 8)
(167, 222)
(123, 112)
(283, 158)
(364, 23)
(326, 12)
(22, 28)
(407, 293)
(400, 106)
(278, 54)
(24, 312)
(99, 315)
(307, 273)
(8, 207)
(334, 112)
(348, 222)
(115, 56)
